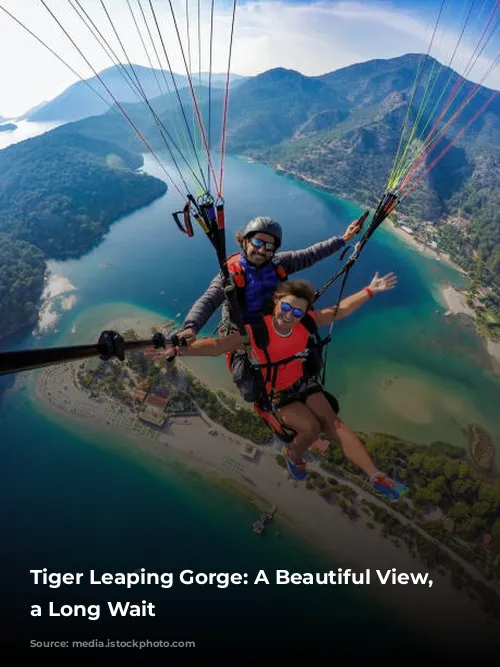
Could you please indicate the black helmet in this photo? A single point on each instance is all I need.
(266, 226)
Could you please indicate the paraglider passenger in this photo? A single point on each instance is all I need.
(299, 401)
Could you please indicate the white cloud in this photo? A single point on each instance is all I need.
(411, 27)
(312, 38)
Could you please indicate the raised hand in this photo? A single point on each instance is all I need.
(383, 284)
(353, 229)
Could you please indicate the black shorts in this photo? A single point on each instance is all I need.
(300, 391)
(297, 392)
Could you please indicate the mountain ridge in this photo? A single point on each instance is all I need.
(78, 101)
(343, 129)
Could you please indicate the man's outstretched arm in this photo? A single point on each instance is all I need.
(203, 309)
(298, 260)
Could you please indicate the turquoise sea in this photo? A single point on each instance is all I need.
(77, 502)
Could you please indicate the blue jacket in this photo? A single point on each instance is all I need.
(263, 281)
(260, 284)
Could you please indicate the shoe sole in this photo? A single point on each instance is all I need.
(299, 479)
(392, 500)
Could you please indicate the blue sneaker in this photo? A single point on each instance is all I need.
(297, 470)
(387, 487)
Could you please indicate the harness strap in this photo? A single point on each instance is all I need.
(287, 360)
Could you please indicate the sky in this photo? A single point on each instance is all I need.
(311, 37)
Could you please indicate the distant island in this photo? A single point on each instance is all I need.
(59, 194)
(8, 127)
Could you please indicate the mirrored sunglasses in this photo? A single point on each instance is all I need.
(287, 308)
(259, 243)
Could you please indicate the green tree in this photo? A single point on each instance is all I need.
(490, 493)
(460, 511)
(464, 488)
(450, 470)
(415, 461)
(471, 528)
(426, 494)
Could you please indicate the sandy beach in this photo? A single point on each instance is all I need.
(456, 302)
(219, 458)
(388, 222)
(417, 245)
(457, 305)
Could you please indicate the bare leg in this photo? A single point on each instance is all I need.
(347, 439)
(299, 417)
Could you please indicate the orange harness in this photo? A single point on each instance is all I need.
(238, 273)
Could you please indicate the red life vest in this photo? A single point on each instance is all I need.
(236, 270)
(279, 349)
(238, 273)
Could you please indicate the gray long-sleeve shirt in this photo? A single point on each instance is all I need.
(291, 260)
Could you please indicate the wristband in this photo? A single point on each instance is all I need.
(369, 292)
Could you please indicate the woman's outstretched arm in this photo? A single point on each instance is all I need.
(351, 303)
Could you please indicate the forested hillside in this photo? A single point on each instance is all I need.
(59, 193)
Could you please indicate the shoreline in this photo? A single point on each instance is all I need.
(420, 247)
(451, 296)
(400, 233)
(457, 306)
(263, 483)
